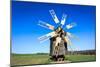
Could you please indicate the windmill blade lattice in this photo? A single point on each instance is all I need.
(63, 19)
(45, 25)
(47, 36)
(71, 25)
(53, 14)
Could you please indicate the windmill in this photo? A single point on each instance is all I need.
(59, 39)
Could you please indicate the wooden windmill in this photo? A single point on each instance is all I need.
(59, 39)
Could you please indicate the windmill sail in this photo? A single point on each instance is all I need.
(69, 34)
(47, 36)
(63, 19)
(45, 25)
(68, 40)
(54, 16)
(72, 36)
(69, 26)
(41, 41)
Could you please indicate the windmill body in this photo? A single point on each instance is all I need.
(58, 46)
(59, 39)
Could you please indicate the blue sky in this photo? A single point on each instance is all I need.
(25, 31)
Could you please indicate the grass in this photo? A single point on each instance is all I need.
(81, 58)
(28, 59)
(31, 59)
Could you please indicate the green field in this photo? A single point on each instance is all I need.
(31, 59)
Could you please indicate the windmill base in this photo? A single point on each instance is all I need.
(58, 58)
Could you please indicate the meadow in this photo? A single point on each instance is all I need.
(34, 59)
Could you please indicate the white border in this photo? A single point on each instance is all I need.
(4, 33)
